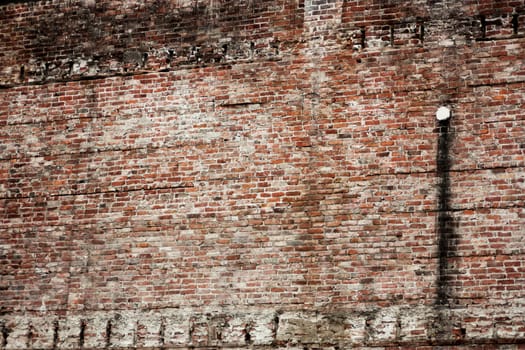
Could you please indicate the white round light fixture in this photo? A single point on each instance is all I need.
(443, 113)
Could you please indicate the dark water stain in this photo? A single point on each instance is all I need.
(445, 221)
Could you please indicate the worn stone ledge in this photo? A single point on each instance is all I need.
(179, 328)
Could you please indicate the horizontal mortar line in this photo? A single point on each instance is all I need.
(463, 128)
(97, 151)
(434, 171)
(454, 256)
(499, 83)
(256, 307)
(395, 344)
(55, 195)
(232, 105)
(52, 121)
(132, 116)
(502, 38)
(124, 225)
(512, 166)
(280, 308)
(241, 104)
(75, 79)
(226, 105)
(455, 210)
(165, 146)
(180, 67)
(125, 115)
(162, 146)
(91, 222)
(393, 91)
(417, 172)
(425, 88)
(501, 121)
(248, 177)
(119, 116)
(117, 149)
(474, 298)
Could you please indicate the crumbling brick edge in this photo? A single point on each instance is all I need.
(260, 328)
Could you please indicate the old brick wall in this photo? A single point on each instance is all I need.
(262, 174)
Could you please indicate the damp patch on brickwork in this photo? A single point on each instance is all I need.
(445, 221)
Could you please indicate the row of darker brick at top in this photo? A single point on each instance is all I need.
(84, 41)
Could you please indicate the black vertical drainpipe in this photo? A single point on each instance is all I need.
(445, 221)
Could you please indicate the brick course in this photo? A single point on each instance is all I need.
(262, 174)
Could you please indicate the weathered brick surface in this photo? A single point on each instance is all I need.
(262, 174)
